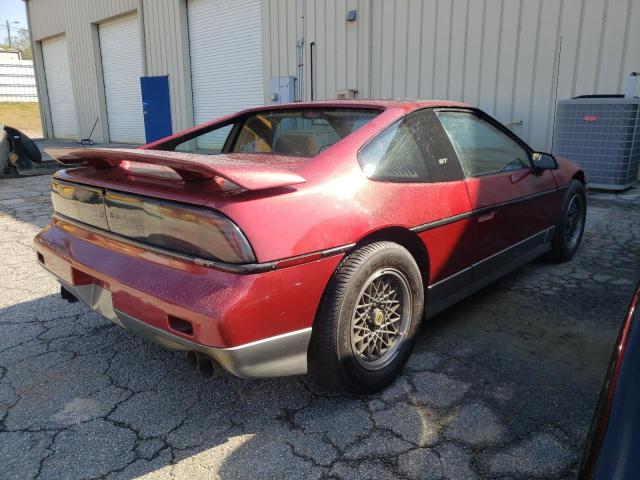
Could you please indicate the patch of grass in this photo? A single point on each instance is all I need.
(23, 116)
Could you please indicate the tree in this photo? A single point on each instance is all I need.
(20, 41)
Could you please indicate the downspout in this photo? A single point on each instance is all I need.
(300, 54)
(300, 69)
(143, 40)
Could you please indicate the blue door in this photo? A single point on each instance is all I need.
(156, 107)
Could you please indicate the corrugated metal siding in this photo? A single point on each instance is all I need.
(75, 18)
(165, 52)
(166, 42)
(341, 54)
(122, 68)
(500, 55)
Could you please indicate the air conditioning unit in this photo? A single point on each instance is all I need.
(602, 134)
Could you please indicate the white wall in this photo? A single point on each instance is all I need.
(500, 55)
(17, 81)
(9, 55)
(164, 46)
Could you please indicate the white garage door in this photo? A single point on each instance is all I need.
(225, 43)
(121, 69)
(58, 76)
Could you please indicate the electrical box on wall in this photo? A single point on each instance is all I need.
(282, 89)
(347, 94)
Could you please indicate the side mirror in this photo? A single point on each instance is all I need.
(543, 161)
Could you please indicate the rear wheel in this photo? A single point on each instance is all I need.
(570, 224)
(367, 322)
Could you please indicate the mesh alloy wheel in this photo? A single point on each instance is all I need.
(381, 318)
(367, 323)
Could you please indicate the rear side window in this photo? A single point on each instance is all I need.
(483, 148)
(299, 132)
(413, 149)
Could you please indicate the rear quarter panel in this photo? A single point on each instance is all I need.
(349, 207)
(338, 206)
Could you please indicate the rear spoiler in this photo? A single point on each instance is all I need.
(191, 167)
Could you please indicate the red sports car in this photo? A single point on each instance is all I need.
(306, 237)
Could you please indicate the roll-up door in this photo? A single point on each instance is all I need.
(225, 44)
(122, 68)
(57, 73)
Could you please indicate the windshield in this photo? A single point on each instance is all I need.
(303, 132)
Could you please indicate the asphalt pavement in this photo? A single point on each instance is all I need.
(501, 386)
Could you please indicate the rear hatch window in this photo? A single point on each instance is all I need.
(303, 132)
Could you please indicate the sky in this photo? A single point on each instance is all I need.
(14, 11)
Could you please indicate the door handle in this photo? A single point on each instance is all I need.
(486, 217)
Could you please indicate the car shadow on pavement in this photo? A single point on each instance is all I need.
(83, 398)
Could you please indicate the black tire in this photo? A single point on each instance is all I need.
(570, 223)
(4, 150)
(29, 147)
(334, 363)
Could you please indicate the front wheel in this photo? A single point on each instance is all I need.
(570, 224)
(367, 322)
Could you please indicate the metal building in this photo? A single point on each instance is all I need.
(17, 79)
(509, 57)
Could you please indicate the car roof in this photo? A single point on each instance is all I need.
(405, 104)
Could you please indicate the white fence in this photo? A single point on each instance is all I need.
(17, 81)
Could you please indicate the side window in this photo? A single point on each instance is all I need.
(393, 156)
(413, 149)
(481, 147)
(210, 143)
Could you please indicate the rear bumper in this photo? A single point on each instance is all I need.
(255, 326)
(277, 356)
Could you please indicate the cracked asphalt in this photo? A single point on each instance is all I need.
(501, 386)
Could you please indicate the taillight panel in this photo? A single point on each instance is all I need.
(84, 204)
(197, 232)
(193, 231)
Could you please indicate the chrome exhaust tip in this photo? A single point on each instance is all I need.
(192, 361)
(206, 367)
